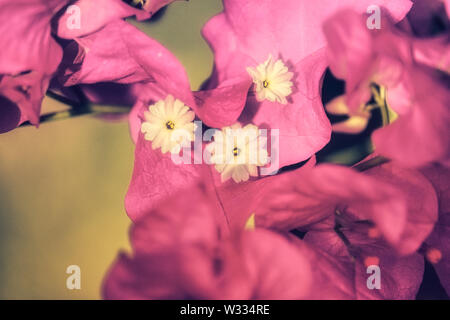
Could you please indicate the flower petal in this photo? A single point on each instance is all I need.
(93, 15)
(26, 41)
(421, 133)
(292, 29)
(299, 199)
(400, 277)
(422, 211)
(440, 176)
(303, 126)
(222, 106)
(121, 53)
(155, 177)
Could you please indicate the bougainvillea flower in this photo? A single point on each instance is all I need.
(28, 58)
(86, 16)
(155, 176)
(428, 26)
(183, 251)
(426, 19)
(361, 57)
(385, 57)
(438, 244)
(23, 22)
(434, 52)
(120, 53)
(31, 46)
(344, 261)
(421, 133)
(21, 97)
(238, 152)
(400, 203)
(123, 54)
(303, 198)
(421, 199)
(169, 125)
(173, 260)
(284, 58)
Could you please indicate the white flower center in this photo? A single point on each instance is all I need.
(169, 125)
(272, 80)
(238, 152)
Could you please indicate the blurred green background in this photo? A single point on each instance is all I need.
(62, 186)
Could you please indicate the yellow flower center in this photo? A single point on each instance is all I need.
(238, 151)
(170, 125)
(272, 80)
(159, 125)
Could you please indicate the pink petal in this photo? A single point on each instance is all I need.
(9, 115)
(361, 56)
(276, 268)
(440, 239)
(434, 52)
(349, 45)
(222, 106)
(95, 14)
(241, 200)
(303, 126)
(292, 29)
(26, 92)
(26, 40)
(155, 177)
(28, 58)
(421, 133)
(422, 211)
(188, 216)
(299, 199)
(181, 251)
(121, 53)
(346, 277)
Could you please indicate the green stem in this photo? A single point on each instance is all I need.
(77, 110)
(371, 163)
(61, 99)
(59, 115)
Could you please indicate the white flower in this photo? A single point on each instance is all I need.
(169, 125)
(238, 152)
(272, 80)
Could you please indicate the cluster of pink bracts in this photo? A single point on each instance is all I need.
(197, 235)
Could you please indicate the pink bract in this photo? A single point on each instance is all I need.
(247, 32)
(29, 57)
(387, 57)
(183, 251)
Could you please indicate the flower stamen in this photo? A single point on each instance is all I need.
(272, 80)
(237, 152)
(169, 125)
